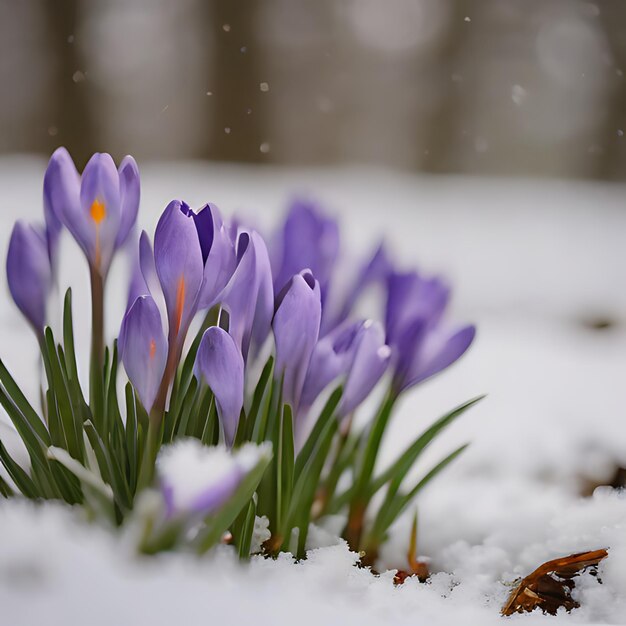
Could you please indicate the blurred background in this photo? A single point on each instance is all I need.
(498, 87)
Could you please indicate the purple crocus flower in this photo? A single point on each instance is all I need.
(197, 480)
(355, 351)
(422, 343)
(143, 348)
(29, 272)
(308, 240)
(99, 208)
(296, 328)
(248, 297)
(193, 258)
(370, 358)
(375, 271)
(220, 363)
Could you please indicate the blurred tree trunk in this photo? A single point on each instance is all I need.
(613, 164)
(70, 105)
(237, 115)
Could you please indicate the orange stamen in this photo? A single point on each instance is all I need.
(152, 348)
(180, 302)
(98, 213)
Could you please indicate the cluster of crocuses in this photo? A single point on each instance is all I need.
(250, 350)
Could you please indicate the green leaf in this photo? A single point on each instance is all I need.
(328, 413)
(132, 437)
(86, 476)
(307, 484)
(389, 512)
(19, 399)
(185, 372)
(21, 479)
(244, 538)
(370, 453)
(191, 398)
(70, 424)
(5, 490)
(68, 346)
(398, 470)
(285, 468)
(217, 524)
(260, 392)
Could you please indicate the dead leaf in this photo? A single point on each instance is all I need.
(550, 586)
(416, 567)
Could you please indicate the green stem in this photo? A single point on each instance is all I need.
(360, 500)
(96, 398)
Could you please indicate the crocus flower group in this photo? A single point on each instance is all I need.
(199, 262)
(248, 410)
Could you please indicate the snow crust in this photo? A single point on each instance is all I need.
(532, 263)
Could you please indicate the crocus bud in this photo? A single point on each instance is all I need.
(248, 297)
(426, 352)
(179, 265)
(197, 480)
(194, 260)
(220, 363)
(100, 208)
(355, 352)
(29, 273)
(143, 348)
(370, 358)
(411, 297)
(308, 240)
(296, 328)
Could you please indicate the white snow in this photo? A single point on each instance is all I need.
(192, 470)
(532, 262)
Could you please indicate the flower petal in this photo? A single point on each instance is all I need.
(29, 273)
(97, 223)
(410, 297)
(308, 240)
(220, 362)
(61, 194)
(439, 349)
(296, 328)
(178, 261)
(370, 359)
(218, 253)
(143, 348)
(129, 198)
(241, 295)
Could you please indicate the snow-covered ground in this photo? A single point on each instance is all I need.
(533, 264)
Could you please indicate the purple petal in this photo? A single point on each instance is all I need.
(411, 297)
(264, 311)
(29, 273)
(376, 271)
(220, 362)
(308, 240)
(439, 349)
(61, 194)
(178, 261)
(296, 328)
(369, 361)
(330, 359)
(242, 292)
(218, 254)
(96, 224)
(129, 198)
(143, 348)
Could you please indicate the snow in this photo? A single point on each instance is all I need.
(192, 472)
(533, 263)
